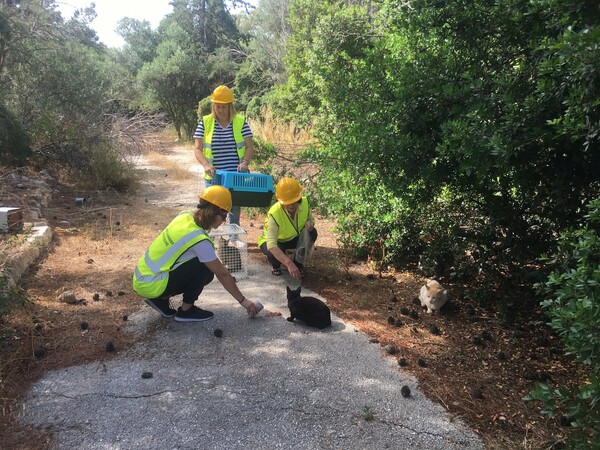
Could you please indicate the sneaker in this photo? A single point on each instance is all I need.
(161, 306)
(194, 314)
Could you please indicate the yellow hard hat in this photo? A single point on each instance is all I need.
(288, 191)
(222, 94)
(218, 196)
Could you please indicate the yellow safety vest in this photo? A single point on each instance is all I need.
(287, 229)
(209, 129)
(152, 272)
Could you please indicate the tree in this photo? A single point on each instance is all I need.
(263, 66)
(141, 43)
(192, 58)
(173, 82)
(56, 84)
(482, 112)
(208, 22)
(298, 99)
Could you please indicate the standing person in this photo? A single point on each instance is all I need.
(223, 141)
(285, 221)
(182, 260)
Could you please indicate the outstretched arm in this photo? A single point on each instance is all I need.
(230, 286)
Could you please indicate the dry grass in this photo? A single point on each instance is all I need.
(174, 168)
(289, 140)
(287, 137)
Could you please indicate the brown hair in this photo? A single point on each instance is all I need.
(206, 214)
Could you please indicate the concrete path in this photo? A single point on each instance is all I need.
(265, 384)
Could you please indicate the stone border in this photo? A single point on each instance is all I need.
(31, 193)
(30, 250)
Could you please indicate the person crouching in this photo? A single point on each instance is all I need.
(182, 260)
(285, 222)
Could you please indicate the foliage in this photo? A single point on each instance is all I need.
(14, 142)
(204, 107)
(10, 297)
(57, 85)
(264, 153)
(263, 67)
(191, 58)
(108, 168)
(95, 161)
(493, 103)
(572, 303)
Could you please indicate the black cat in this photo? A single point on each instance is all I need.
(312, 311)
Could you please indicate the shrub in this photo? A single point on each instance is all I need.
(14, 142)
(573, 305)
(94, 162)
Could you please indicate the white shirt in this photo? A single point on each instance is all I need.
(203, 250)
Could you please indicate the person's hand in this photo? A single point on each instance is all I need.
(209, 170)
(294, 271)
(243, 166)
(250, 307)
(309, 225)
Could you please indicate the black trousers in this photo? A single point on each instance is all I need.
(288, 245)
(188, 279)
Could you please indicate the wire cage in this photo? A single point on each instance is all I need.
(232, 248)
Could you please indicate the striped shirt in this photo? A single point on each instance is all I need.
(223, 145)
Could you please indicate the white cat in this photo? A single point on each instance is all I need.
(433, 296)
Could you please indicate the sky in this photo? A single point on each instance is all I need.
(109, 12)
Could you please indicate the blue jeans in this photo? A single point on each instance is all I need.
(234, 214)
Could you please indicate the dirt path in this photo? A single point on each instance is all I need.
(266, 384)
(473, 365)
(93, 252)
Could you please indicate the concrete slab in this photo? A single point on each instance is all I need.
(265, 384)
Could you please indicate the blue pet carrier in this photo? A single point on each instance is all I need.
(247, 189)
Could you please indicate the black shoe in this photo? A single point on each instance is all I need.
(161, 306)
(194, 314)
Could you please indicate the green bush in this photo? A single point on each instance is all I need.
(14, 142)
(108, 167)
(371, 221)
(204, 107)
(572, 303)
(96, 162)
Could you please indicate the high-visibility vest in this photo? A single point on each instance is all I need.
(287, 229)
(152, 272)
(209, 129)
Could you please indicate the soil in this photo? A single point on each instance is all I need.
(464, 358)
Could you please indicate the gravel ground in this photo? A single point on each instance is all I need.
(265, 383)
